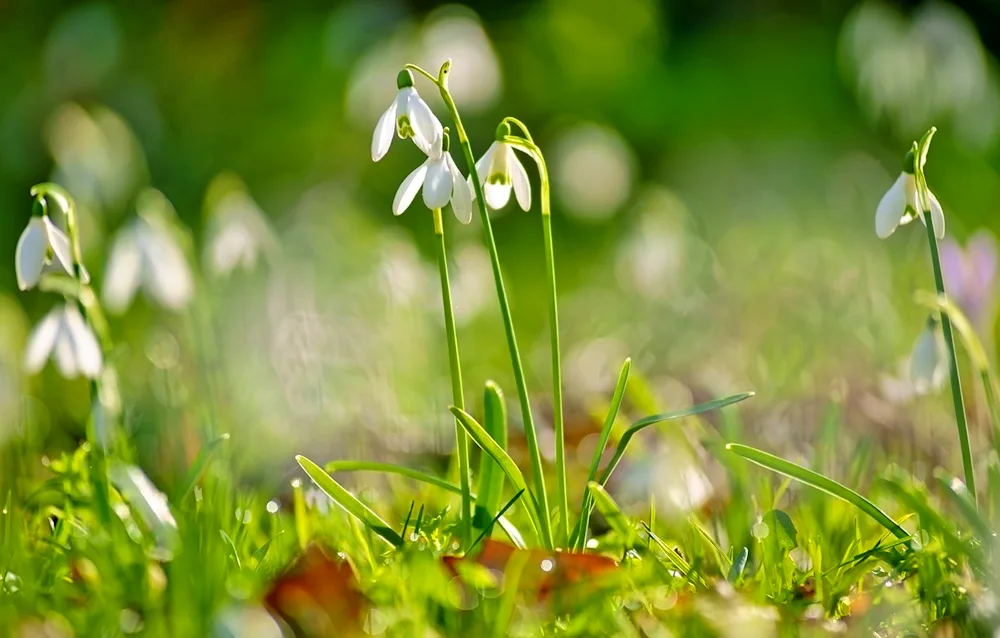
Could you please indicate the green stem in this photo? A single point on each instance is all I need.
(949, 338)
(558, 425)
(522, 390)
(457, 393)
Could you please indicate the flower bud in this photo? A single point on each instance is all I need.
(404, 79)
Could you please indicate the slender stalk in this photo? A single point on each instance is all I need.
(961, 419)
(457, 393)
(558, 425)
(522, 390)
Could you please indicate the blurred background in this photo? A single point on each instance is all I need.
(716, 167)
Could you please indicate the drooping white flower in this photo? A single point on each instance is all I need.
(410, 116)
(499, 169)
(237, 234)
(64, 335)
(146, 253)
(928, 364)
(43, 247)
(900, 204)
(441, 181)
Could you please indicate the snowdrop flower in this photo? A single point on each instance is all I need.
(145, 253)
(410, 116)
(65, 336)
(499, 169)
(927, 362)
(441, 181)
(900, 204)
(42, 248)
(237, 234)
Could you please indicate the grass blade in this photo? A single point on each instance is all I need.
(349, 502)
(739, 564)
(538, 518)
(818, 481)
(490, 486)
(486, 530)
(959, 496)
(579, 537)
(201, 464)
(610, 510)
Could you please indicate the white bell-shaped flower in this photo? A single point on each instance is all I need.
(928, 363)
(500, 170)
(441, 181)
(43, 247)
(64, 335)
(147, 254)
(900, 204)
(237, 234)
(411, 118)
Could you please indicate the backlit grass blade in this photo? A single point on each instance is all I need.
(579, 537)
(200, 464)
(349, 502)
(538, 519)
(388, 468)
(959, 495)
(607, 507)
(642, 424)
(739, 564)
(818, 481)
(490, 485)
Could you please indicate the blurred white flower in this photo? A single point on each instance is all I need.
(899, 206)
(927, 362)
(410, 116)
(442, 182)
(499, 169)
(146, 253)
(237, 233)
(42, 247)
(64, 335)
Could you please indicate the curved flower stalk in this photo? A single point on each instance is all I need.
(410, 117)
(65, 337)
(146, 254)
(500, 171)
(441, 182)
(917, 200)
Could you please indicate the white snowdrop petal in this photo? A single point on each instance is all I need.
(86, 350)
(427, 130)
(168, 279)
(519, 178)
(382, 138)
(123, 272)
(461, 196)
(64, 354)
(29, 256)
(937, 216)
(59, 242)
(42, 340)
(408, 189)
(496, 195)
(437, 184)
(891, 208)
(481, 165)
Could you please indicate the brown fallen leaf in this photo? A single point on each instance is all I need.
(319, 597)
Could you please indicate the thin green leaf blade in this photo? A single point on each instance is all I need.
(818, 481)
(348, 501)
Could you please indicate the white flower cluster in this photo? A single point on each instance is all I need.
(439, 177)
(63, 335)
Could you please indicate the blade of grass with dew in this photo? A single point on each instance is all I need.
(607, 506)
(538, 518)
(490, 486)
(675, 559)
(348, 501)
(578, 539)
(388, 468)
(720, 556)
(818, 481)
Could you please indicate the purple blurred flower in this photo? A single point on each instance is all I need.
(970, 277)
